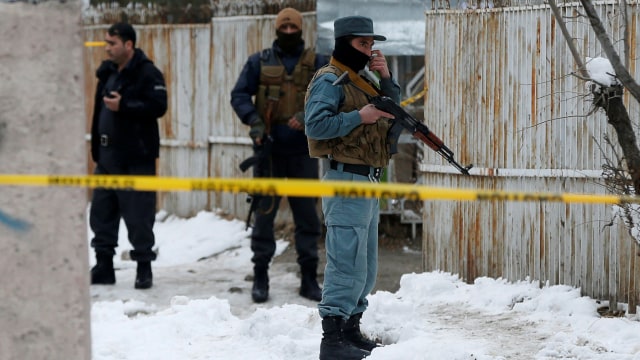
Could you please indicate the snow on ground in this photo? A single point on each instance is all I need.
(200, 308)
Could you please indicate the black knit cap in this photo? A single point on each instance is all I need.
(124, 31)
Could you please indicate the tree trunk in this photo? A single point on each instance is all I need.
(618, 117)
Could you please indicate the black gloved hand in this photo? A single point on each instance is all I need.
(257, 131)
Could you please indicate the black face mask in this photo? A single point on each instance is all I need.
(289, 42)
(348, 55)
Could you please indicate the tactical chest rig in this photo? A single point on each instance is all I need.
(365, 144)
(281, 95)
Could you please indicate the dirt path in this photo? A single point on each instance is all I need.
(393, 262)
(505, 335)
(228, 276)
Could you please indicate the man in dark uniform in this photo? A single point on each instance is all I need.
(278, 78)
(130, 97)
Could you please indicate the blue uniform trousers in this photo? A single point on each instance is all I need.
(352, 250)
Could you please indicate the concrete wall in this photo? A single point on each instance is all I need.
(44, 284)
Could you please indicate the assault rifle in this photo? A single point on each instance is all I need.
(261, 155)
(420, 131)
(261, 159)
(404, 121)
(261, 163)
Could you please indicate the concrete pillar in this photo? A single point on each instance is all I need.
(44, 281)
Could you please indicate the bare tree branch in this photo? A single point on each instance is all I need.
(601, 33)
(618, 178)
(572, 47)
(625, 39)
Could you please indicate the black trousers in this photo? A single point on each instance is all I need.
(305, 216)
(136, 208)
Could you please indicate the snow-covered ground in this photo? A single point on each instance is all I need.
(200, 308)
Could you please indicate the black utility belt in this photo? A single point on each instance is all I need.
(373, 173)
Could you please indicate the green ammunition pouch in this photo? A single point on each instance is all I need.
(280, 95)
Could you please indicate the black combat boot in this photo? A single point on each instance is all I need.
(144, 277)
(260, 290)
(308, 284)
(334, 346)
(102, 273)
(352, 333)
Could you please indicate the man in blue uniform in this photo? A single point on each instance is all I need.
(343, 126)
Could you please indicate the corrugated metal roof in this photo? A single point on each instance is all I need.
(402, 22)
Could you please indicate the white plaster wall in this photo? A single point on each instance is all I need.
(44, 282)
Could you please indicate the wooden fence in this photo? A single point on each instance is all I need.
(501, 95)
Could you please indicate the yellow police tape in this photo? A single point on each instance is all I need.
(297, 187)
(94, 43)
(415, 97)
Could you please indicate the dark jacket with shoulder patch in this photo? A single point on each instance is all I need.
(136, 137)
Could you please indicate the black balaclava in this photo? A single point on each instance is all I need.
(348, 55)
(289, 42)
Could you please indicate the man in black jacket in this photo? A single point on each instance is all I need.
(130, 97)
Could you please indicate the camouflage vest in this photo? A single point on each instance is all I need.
(280, 95)
(366, 144)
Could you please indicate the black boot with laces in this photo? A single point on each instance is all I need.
(353, 334)
(103, 273)
(309, 287)
(334, 346)
(144, 277)
(260, 289)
